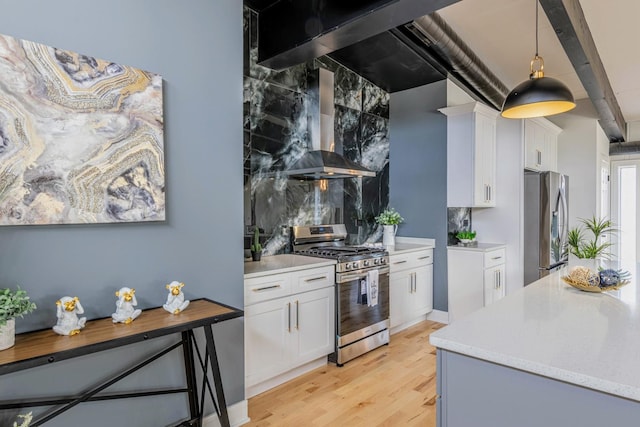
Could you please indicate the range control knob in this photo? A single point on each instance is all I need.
(366, 263)
(347, 266)
(383, 260)
(376, 261)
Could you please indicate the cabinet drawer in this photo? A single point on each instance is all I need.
(410, 260)
(267, 287)
(317, 278)
(494, 258)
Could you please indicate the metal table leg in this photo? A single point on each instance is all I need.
(217, 379)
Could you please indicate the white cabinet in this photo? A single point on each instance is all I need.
(471, 155)
(410, 288)
(289, 321)
(541, 144)
(477, 277)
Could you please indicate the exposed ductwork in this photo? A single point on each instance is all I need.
(442, 42)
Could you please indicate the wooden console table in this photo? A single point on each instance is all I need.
(46, 347)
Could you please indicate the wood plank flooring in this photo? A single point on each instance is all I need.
(393, 385)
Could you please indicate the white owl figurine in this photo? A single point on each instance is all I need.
(175, 300)
(125, 311)
(67, 313)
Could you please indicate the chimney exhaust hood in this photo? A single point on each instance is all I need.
(321, 161)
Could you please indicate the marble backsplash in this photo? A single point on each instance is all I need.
(276, 134)
(458, 219)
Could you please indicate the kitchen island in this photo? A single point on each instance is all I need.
(547, 355)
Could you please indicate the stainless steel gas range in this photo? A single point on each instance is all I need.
(362, 288)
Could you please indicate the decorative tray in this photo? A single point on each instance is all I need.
(583, 286)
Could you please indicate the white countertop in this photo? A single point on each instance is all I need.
(481, 247)
(411, 244)
(282, 264)
(551, 329)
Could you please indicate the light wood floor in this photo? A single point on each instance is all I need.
(393, 385)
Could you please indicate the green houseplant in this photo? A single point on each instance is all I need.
(466, 236)
(256, 247)
(583, 247)
(12, 304)
(389, 217)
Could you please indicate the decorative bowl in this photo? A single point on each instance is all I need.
(583, 286)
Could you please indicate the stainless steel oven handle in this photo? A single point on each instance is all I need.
(349, 277)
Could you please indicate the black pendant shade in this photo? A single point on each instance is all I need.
(537, 97)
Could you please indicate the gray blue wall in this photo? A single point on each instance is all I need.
(197, 48)
(418, 175)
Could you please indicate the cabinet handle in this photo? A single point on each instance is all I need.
(315, 279)
(399, 262)
(415, 282)
(489, 193)
(496, 257)
(425, 257)
(297, 315)
(266, 288)
(485, 192)
(539, 154)
(499, 279)
(288, 317)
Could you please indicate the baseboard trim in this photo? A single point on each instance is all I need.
(255, 389)
(238, 415)
(439, 316)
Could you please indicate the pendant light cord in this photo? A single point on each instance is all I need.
(537, 5)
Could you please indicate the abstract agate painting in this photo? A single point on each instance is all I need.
(81, 139)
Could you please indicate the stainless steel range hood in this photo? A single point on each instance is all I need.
(321, 161)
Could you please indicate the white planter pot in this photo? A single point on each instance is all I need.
(8, 334)
(389, 235)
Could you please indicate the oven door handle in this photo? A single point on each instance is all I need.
(343, 278)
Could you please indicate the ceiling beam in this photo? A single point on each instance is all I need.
(291, 32)
(570, 25)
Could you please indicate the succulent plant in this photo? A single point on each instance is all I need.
(256, 246)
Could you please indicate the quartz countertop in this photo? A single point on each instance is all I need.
(481, 247)
(410, 244)
(283, 264)
(551, 329)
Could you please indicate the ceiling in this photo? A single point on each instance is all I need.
(502, 35)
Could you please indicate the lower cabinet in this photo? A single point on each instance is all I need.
(476, 278)
(410, 287)
(285, 332)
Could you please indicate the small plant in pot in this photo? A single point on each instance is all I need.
(12, 304)
(389, 219)
(466, 236)
(256, 247)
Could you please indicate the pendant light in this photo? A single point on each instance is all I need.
(539, 96)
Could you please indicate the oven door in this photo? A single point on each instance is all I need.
(353, 313)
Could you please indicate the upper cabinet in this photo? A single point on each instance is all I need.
(541, 145)
(471, 155)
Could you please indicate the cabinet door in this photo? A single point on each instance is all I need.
(534, 145)
(314, 323)
(422, 297)
(500, 291)
(267, 339)
(485, 161)
(400, 285)
(494, 284)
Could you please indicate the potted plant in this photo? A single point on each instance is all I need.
(389, 219)
(256, 247)
(590, 248)
(466, 236)
(12, 304)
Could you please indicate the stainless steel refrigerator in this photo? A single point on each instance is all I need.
(546, 223)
